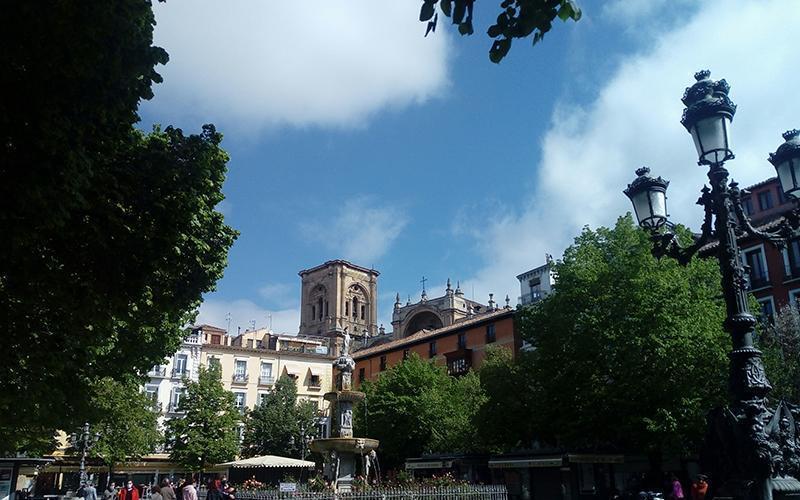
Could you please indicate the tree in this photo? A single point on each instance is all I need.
(111, 235)
(415, 407)
(781, 345)
(207, 434)
(517, 19)
(126, 420)
(278, 425)
(504, 421)
(629, 351)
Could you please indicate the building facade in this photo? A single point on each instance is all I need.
(166, 385)
(460, 346)
(432, 314)
(536, 284)
(250, 373)
(338, 296)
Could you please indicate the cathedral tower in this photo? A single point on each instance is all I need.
(338, 295)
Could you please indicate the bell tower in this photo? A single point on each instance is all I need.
(339, 295)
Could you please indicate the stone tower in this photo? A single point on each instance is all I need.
(338, 295)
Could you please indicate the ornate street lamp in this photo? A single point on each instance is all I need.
(748, 443)
(83, 442)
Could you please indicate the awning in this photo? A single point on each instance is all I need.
(268, 461)
(524, 463)
(292, 369)
(430, 464)
(596, 459)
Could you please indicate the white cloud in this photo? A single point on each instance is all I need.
(364, 230)
(282, 295)
(243, 311)
(252, 63)
(590, 153)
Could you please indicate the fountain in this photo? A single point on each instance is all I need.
(342, 451)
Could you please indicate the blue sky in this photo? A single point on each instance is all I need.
(352, 136)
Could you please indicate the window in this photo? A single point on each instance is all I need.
(765, 200)
(313, 312)
(490, 334)
(250, 343)
(181, 361)
(361, 375)
(462, 340)
(383, 363)
(406, 353)
(754, 258)
(791, 259)
(794, 297)
(152, 392)
(315, 381)
(262, 397)
(432, 349)
(534, 283)
(216, 339)
(767, 313)
(175, 399)
(319, 307)
(782, 197)
(265, 377)
(347, 308)
(355, 307)
(240, 371)
(240, 400)
(363, 312)
(747, 206)
(326, 309)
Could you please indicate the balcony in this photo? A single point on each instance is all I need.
(531, 298)
(180, 372)
(239, 378)
(459, 362)
(157, 372)
(193, 339)
(174, 407)
(265, 380)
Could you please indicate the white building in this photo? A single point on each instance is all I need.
(166, 380)
(536, 284)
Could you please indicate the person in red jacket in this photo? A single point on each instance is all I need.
(129, 492)
(700, 488)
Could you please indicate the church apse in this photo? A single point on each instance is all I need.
(423, 320)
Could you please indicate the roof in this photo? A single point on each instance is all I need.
(268, 461)
(423, 335)
(761, 184)
(205, 327)
(340, 262)
(273, 352)
(535, 269)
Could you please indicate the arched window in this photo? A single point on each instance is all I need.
(355, 307)
(319, 306)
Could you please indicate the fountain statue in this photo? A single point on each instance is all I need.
(342, 452)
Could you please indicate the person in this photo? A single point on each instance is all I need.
(700, 487)
(676, 490)
(214, 492)
(166, 490)
(179, 491)
(189, 491)
(155, 493)
(128, 492)
(89, 491)
(110, 492)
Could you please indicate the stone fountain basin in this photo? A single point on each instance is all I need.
(360, 446)
(345, 396)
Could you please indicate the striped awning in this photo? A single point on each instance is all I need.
(268, 461)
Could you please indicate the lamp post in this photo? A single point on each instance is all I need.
(83, 442)
(749, 442)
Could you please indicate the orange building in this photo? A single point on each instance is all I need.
(459, 346)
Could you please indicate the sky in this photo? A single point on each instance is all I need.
(352, 136)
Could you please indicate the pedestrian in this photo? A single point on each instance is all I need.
(155, 493)
(700, 487)
(677, 489)
(179, 491)
(166, 490)
(189, 491)
(214, 492)
(89, 491)
(110, 492)
(129, 492)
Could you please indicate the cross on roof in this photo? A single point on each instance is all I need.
(424, 279)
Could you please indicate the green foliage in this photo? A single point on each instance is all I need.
(207, 434)
(111, 235)
(503, 422)
(415, 407)
(628, 353)
(277, 425)
(517, 19)
(781, 346)
(126, 420)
